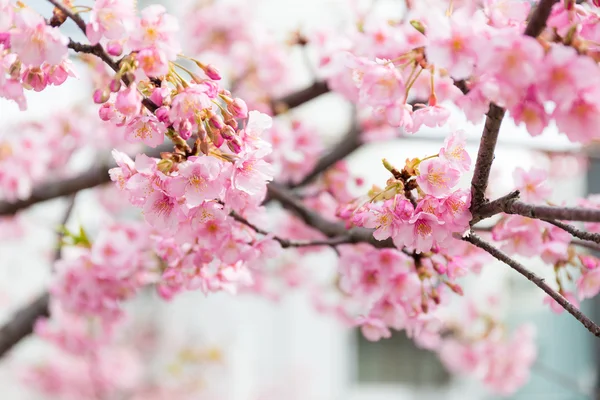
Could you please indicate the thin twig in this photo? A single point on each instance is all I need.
(578, 233)
(538, 281)
(288, 243)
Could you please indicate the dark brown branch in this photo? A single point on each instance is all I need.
(300, 97)
(348, 144)
(586, 244)
(538, 19)
(489, 138)
(538, 281)
(95, 176)
(494, 207)
(485, 156)
(288, 243)
(578, 233)
(23, 321)
(330, 229)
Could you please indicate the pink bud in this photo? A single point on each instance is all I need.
(115, 85)
(232, 123)
(114, 48)
(596, 3)
(129, 101)
(212, 72)
(101, 96)
(185, 129)
(162, 113)
(216, 122)
(159, 94)
(106, 112)
(58, 74)
(216, 138)
(35, 79)
(238, 108)
(227, 132)
(235, 144)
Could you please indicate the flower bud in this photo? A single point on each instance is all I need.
(235, 144)
(238, 108)
(106, 112)
(205, 147)
(114, 48)
(212, 72)
(34, 78)
(185, 129)
(227, 132)
(115, 85)
(165, 166)
(216, 122)
(232, 123)
(216, 138)
(162, 113)
(101, 96)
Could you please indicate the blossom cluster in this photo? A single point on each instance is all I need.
(228, 34)
(429, 219)
(33, 54)
(95, 279)
(471, 56)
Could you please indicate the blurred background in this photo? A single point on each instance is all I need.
(250, 348)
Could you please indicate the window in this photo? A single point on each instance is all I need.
(398, 361)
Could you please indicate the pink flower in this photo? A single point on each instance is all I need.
(251, 175)
(508, 364)
(424, 231)
(531, 112)
(437, 177)
(532, 185)
(153, 62)
(162, 212)
(400, 114)
(373, 329)
(513, 59)
(563, 74)
(146, 129)
(111, 19)
(190, 101)
(381, 84)
(454, 151)
(451, 44)
(520, 235)
(129, 101)
(454, 211)
(432, 117)
(580, 119)
(390, 218)
(199, 179)
(157, 29)
(588, 284)
(35, 42)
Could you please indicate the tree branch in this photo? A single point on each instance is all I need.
(578, 233)
(489, 138)
(538, 281)
(485, 156)
(538, 19)
(300, 97)
(288, 243)
(95, 176)
(23, 321)
(348, 144)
